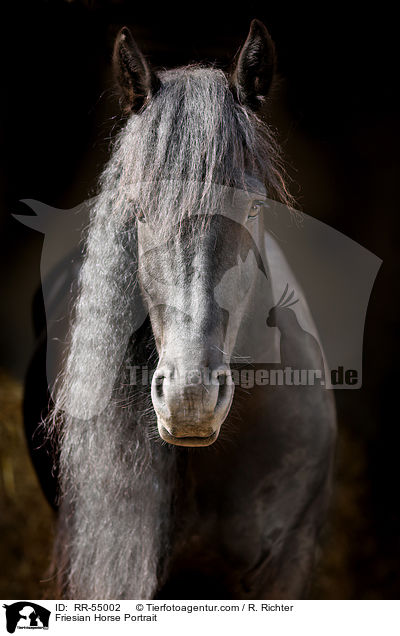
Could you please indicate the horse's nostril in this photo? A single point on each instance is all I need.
(158, 385)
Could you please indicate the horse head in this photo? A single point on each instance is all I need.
(188, 237)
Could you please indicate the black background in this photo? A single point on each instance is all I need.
(336, 110)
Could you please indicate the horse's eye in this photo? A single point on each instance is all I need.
(255, 209)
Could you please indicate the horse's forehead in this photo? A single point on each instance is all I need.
(177, 189)
(221, 201)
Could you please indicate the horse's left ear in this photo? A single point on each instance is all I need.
(135, 77)
(252, 78)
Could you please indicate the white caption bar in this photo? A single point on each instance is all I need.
(158, 617)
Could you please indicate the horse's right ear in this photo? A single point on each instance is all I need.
(135, 77)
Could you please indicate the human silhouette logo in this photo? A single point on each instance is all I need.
(26, 615)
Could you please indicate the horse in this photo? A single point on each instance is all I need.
(180, 483)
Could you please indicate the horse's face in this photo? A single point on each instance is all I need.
(197, 284)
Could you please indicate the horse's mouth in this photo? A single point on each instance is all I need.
(186, 440)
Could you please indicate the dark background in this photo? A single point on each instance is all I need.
(336, 110)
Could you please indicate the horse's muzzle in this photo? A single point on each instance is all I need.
(191, 406)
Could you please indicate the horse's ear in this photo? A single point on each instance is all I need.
(252, 78)
(135, 77)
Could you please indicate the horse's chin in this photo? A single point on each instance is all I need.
(186, 440)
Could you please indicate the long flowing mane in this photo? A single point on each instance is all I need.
(116, 481)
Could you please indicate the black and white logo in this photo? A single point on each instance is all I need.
(26, 615)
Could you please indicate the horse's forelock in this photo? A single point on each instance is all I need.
(191, 135)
